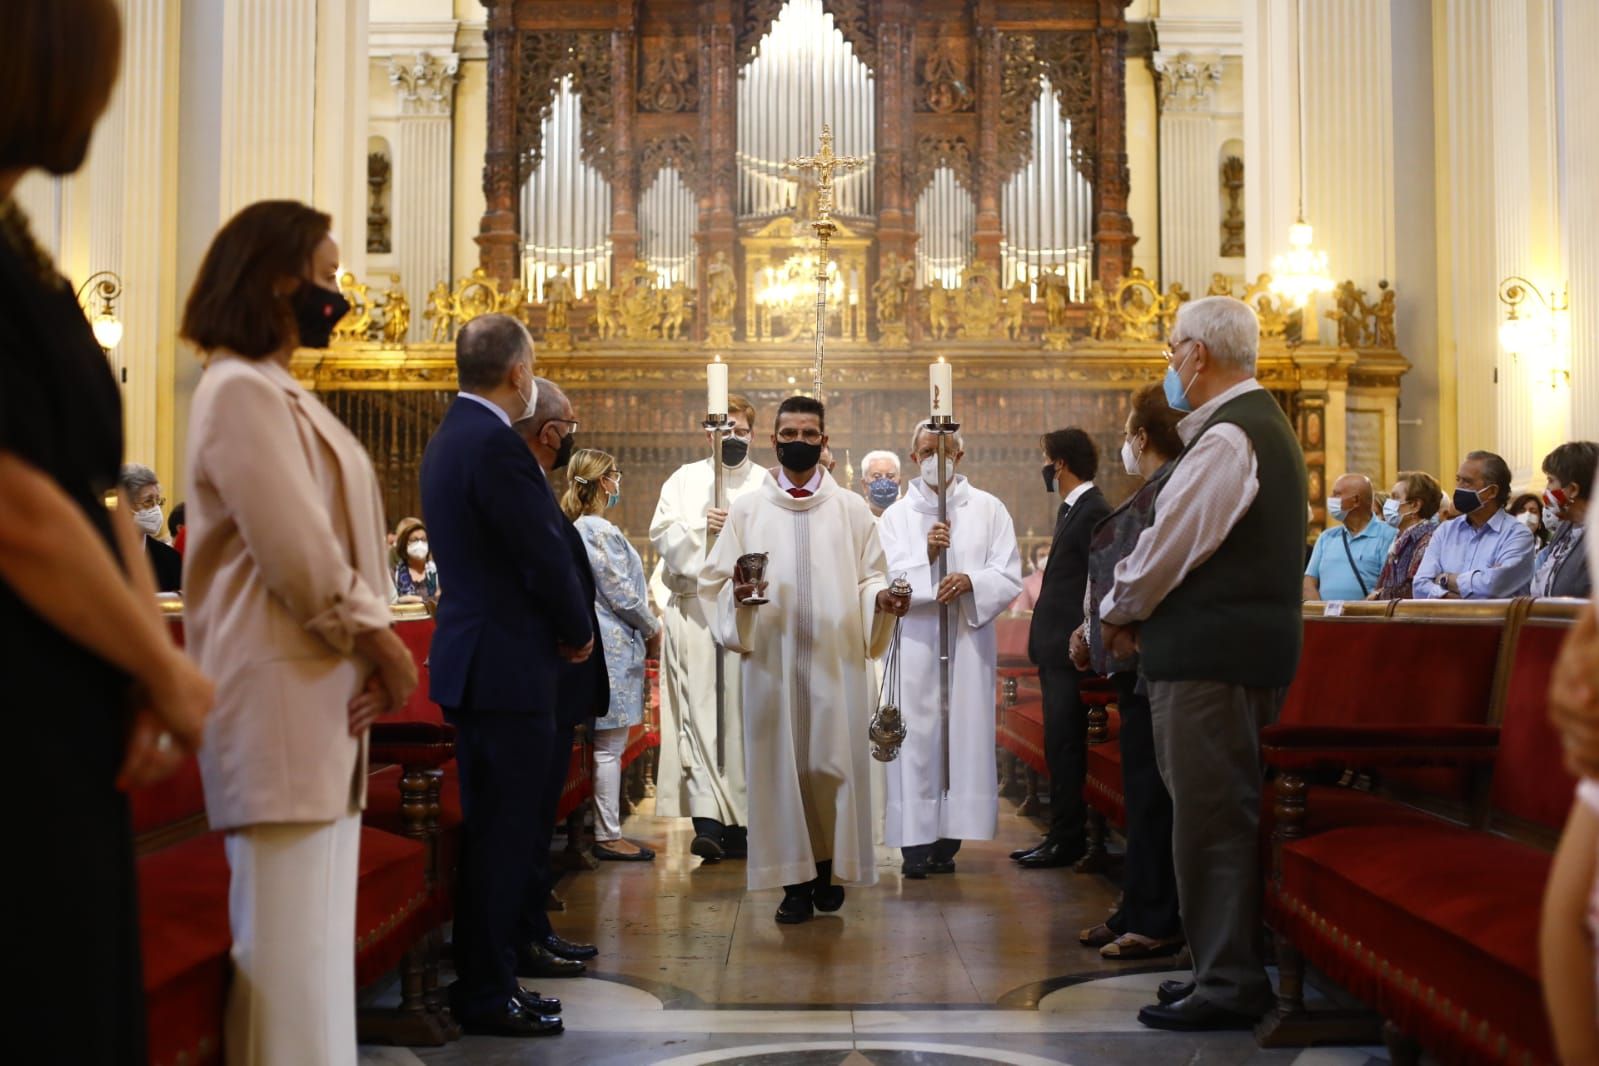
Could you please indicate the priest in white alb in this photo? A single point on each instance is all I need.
(690, 782)
(806, 671)
(923, 817)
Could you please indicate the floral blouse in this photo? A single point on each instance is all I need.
(1404, 559)
(406, 585)
(622, 604)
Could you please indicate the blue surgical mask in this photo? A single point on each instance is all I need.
(1390, 512)
(1176, 391)
(611, 500)
(1336, 508)
(882, 491)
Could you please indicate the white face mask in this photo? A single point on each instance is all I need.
(531, 400)
(930, 471)
(148, 520)
(1551, 517)
(1528, 519)
(1130, 456)
(417, 549)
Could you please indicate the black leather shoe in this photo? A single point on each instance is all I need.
(534, 1003)
(795, 908)
(1170, 992)
(1048, 856)
(940, 866)
(1194, 1015)
(707, 848)
(566, 949)
(514, 1020)
(605, 854)
(1021, 853)
(913, 871)
(828, 898)
(735, 842)
(540, 961)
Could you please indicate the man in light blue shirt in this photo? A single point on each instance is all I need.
(1348, 558)
(1484, 554)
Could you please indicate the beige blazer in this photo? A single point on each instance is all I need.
(284, 566)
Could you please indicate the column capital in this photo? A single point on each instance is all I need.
(1186, 80)
(426, 83)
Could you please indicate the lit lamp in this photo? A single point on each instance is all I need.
(103, 289)
(1302, 272)
(1527, 331)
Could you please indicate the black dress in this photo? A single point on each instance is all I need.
(74, 939)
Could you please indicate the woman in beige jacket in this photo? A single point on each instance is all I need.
(287, 610)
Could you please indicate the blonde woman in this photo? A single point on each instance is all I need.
(621, 601)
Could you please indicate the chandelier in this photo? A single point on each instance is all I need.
(1300, 274)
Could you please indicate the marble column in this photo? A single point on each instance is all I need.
(269, 101)
(1580, 211)
(423, 169)
(1190, 211)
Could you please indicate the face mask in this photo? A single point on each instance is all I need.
(1336, 508)
(1049, 477)
(1466, 500)
(1528, 519)
(1176, 391)
(1130, 458)
(316, 312)
(882, 492)
(148, 520)
(612, 500)
(417, 549)
(1390, 513)
(1551, 518)
(734, 451)
(1556, 501)
(798, 455)
(563, 454)
(528, 401)
(930, 471)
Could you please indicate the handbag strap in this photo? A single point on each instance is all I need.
(1364, 591)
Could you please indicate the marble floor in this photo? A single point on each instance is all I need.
(979, 966)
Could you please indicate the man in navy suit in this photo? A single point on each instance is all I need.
(514, 611)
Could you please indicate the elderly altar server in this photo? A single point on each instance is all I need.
(984, 575)
(806, 671)
(689, 782)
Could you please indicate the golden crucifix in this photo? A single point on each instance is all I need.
(823, 164)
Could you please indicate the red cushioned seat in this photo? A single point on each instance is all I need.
(383, 812)
(183, 924)
(391, 904)
(1405, 917)
(1102, 786)
(1022, 733)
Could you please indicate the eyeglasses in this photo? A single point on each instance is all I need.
(788, 434)
(564, 421)
(614, 475)
(145, 505)
(741, 434)
(1171, 350)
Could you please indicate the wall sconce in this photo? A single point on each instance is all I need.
(1527, 330)
(103, 289)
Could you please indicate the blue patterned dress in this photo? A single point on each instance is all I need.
(621, 599)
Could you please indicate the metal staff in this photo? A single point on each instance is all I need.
(943, 427)
(718, 426)
(824, 163)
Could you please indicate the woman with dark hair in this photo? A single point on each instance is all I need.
(1411, 508)
(104, 701)
(288, 608)
(1562, 566)
(1147, 924)
(1528, 509)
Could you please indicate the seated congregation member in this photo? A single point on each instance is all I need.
(1348, 558)
(1070, 463)
(1528, 510)
(1209, 598)
(1484, 554)
(805, 670)
(880, 480)
(927, 816)
(288, 609)
(627, 629)
(1562, 568)
(582, 693)
(101, 700)
(415, 577)
(1146, 925)
(515, 611)
(141, 498)
(1410, 510)
(177, 527)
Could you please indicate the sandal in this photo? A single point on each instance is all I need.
(1098, 936)
(1131, 946)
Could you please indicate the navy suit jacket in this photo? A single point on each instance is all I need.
(509, 589)
(1059, 608)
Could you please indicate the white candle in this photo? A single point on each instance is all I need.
(940, 387)
(716, 387)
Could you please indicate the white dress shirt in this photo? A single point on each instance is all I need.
(1078, 493)
(1206, 495)
(499, 412)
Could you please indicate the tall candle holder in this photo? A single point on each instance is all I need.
(943, 427)
(718, 427)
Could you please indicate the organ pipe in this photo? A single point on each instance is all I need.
(566, 206)
(667, 211)
(946, 217)
(803, 74)
(1048, 205)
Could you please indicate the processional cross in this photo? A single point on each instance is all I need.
(823, 164)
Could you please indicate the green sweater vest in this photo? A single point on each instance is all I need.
(1236, 617)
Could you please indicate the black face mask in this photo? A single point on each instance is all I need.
(316, 312)
(1049, 477)
(798, 455)
(563, 454)
(734, 451)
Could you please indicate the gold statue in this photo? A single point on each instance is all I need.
(1057, 298)
(1175, 297)
(557, 301)
(1349, 312)
(1220, 285)
(439, 313)
(396, 316)
(674, 326)
(1099, 318)
(1013, 305)
(940, 321)
(355, 325)
(890, 293)
(1272, 312)
(1384, 315)
(606, 323)
(638, 305)
(979, 302)
(722, 299)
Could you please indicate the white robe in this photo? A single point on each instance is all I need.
(687, 783)
(983, 547)
(807, 677)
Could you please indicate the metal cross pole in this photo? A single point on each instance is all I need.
(718, 426)
(823, 163)
(943, 427)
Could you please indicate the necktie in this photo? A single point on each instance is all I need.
(799, 494)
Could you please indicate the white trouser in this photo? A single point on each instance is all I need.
(608, 747)
(291, 903)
